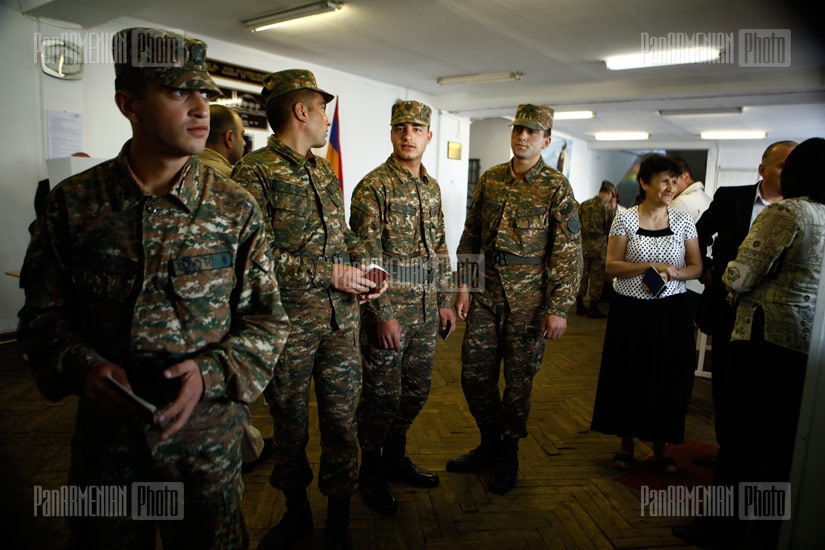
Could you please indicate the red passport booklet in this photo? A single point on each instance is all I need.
(376, 274)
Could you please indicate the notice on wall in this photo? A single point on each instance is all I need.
(65, 133)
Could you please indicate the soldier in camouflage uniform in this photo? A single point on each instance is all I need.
(313, 247)
(524, 220)
(596, 216)
(396, 211)
(155, 270)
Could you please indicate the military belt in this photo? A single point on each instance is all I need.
(506, 258)
(413, 274)
(339, 258)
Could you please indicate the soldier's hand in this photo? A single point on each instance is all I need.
(446, 318)
(389, 334)
(364, 298)
(462, 302)
(191, 390)
(347, 278)
(553, 327)
(103, 397)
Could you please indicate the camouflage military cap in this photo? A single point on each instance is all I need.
(410, 111)
(164, 57)
(277, 84)
(535, 117)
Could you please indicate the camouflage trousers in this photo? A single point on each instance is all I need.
(204, 455)
(593, 272)
(497, 332)
(330, 358)
(396, 383)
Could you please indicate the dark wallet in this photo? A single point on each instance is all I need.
(655, 283)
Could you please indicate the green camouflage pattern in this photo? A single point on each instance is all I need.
(495, 332)
(114, 275)
(535, 117)
(410, 111)
(533, 216)
(305, 210)
(164, 57)
(399, 219)
(282, 82)
(596, 216)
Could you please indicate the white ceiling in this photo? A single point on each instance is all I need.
(558, 46)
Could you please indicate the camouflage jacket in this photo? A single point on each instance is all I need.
(398, 218)
(302, 199)
(534, 216)
(596, 216)
(114, 275)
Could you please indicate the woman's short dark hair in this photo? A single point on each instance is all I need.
(800, 175)
(654, 164)
(279, 109)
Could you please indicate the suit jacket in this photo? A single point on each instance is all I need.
(729, 218)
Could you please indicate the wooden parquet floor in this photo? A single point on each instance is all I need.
(565, 498)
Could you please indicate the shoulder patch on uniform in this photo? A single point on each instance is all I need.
(573, 225)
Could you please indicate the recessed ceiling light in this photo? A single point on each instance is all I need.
(662, 58)
(700, 112)
(573, 115)
(734, 134)
(621, 136)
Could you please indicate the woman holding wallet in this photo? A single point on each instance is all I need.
(646, 375)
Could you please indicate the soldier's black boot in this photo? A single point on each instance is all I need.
(398, 467)
(481, 458)
(504, 474)
(580, 309)
(595, 312)
(336, 534)
(373, 485)
(296, 523)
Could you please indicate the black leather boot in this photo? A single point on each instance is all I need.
(336, 534)
(503, 478)
(373, 485)
(398, 467)
(580, 309)
(296, 523)
(481, 458)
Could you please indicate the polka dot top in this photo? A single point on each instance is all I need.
(645, 245)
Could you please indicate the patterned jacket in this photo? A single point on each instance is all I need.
(304, 206)
(533, 217)
(596, 216)
(114, 275)
(398, 218)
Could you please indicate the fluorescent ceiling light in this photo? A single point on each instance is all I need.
(264, 22)
(573, 115)
(734, 134)
(699, 112)
(662, 58)
(621, 136)
(484, 78)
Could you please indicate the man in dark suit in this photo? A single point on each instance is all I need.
(728, 219)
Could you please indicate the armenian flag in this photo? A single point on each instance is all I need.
(334, 148)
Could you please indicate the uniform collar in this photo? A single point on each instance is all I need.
(127, 193)
(393, 163)
(530, 174)
(285, 151)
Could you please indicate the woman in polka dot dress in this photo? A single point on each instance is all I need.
(646, 375)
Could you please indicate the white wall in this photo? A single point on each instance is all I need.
(21, 143)
(364, 116)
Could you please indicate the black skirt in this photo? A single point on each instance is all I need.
(646, 375)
